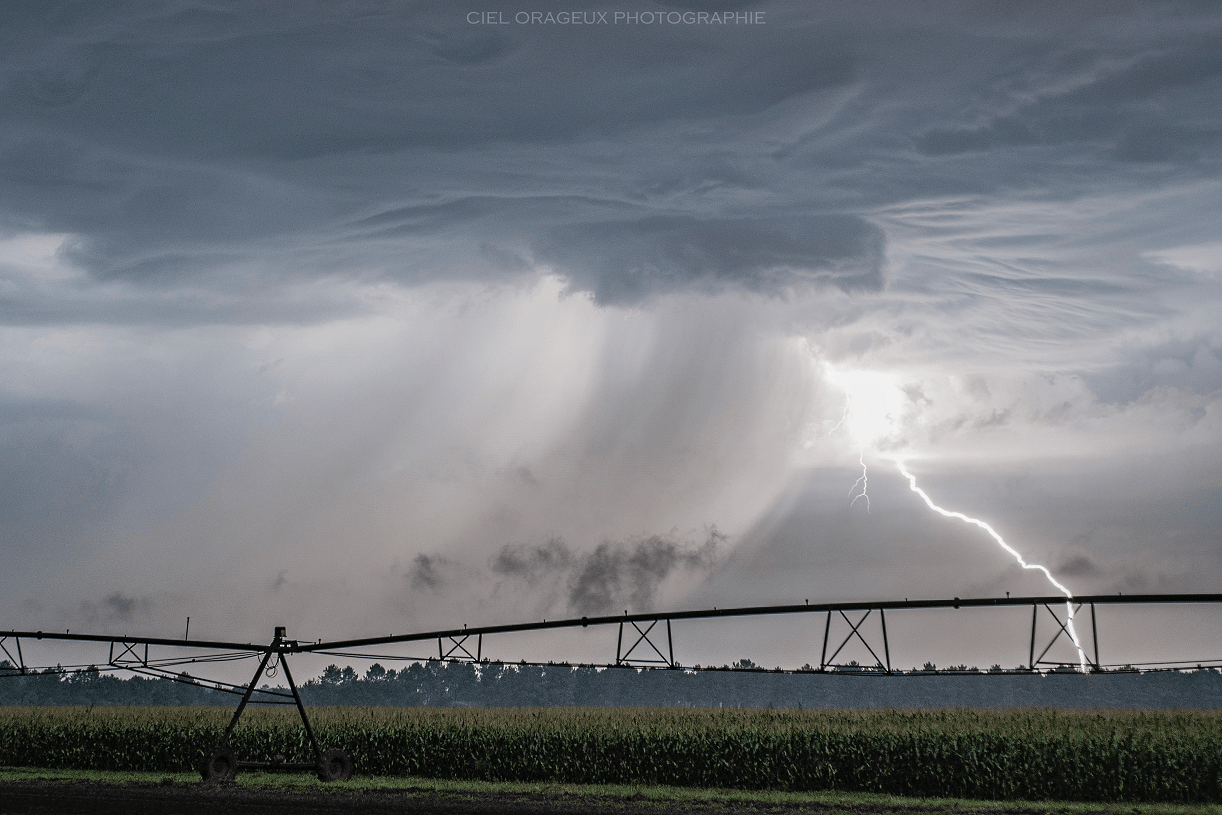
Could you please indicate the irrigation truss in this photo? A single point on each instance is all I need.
(643, 641)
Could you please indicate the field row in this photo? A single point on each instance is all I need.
(1023, 754)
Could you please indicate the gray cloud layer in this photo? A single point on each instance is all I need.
(629, 262)
(284, 281)
(194, 146)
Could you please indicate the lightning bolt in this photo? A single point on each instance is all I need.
(1073, 635)
(842, 418)
(863, 481)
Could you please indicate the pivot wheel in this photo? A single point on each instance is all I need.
(221, 766)
(334, 765)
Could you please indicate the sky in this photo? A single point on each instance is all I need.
(374, 317)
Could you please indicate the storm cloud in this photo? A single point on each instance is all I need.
(630, 262)
(632, 573)
(616, 573)
(360, 292)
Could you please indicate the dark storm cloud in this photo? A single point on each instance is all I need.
(530, 563)
(615, 574)
(1124, 109)
(117, 608)
(191, 146)
(169, 140)
(627, 262)
(1077, 566)
(426, 572)
(120, 606)
(317, 79)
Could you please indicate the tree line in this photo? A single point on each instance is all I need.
(497, 684)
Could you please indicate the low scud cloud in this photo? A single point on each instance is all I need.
(117, 610)
(613, 576)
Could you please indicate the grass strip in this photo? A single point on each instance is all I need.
(677, 797)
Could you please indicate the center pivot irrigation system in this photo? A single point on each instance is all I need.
(649, 644)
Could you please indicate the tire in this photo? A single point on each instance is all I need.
(334, 765)
(220, 767)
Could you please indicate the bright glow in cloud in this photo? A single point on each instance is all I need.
(874, 406)
(874, 402)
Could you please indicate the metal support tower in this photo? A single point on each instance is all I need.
(222, 763)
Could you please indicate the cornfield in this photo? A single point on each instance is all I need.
(1031, 754)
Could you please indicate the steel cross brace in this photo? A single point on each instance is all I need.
(459, 644)
(1062, 628)
(854, 631)
(120, 661)
(20, 660)
(623, 657)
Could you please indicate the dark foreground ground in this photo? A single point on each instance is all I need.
(94, 798)
(98, 798)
